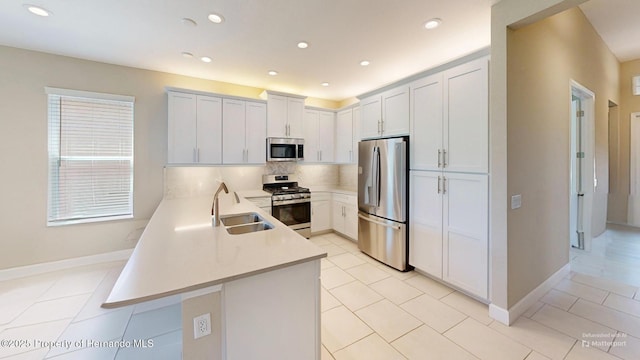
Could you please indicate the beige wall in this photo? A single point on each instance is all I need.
(25, 238)
(542, 58)
(620, 147)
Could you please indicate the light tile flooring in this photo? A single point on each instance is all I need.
(369, 311)
(614, 255)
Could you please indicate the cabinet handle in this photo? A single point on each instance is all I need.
(444, 185)
(444, 158)
(438, 184)
(381, 127)
(350, 156)
(198, 154)
(439, 163)
(194, 155)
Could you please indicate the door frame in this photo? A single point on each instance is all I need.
(587, 99)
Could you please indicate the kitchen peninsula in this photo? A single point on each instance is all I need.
(259, 280)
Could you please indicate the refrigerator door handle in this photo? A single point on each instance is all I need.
(394, 227)
(377, 176)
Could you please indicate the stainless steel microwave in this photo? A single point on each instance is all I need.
(285, 149)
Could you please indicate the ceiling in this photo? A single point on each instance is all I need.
(257, 36)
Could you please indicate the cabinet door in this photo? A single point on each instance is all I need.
(337, 218)
(234, 131)
(395, 112)
(465, 232)
(351, 221)
(344, 137)
(326, 135)
(426, 123)
(320, 215)
(311, 121)
(209, 127)
(357, 120)
(295, 114)
(371, 112)
(425, 232)
(276, 116)
(256, 133)
(466, 114)
(182, 130)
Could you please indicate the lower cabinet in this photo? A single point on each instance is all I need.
(320, 211)
(449, 228)
(345, 215)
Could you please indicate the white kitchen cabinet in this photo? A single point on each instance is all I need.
(284, 115)
(449, 228)
(345, 215)
(386, 114)
(244, 132)
(357, 129)
(320, 212)
(450, 119)
(344, 137)
(319, 135)
(194, 129)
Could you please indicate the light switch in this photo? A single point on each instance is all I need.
(516, 201)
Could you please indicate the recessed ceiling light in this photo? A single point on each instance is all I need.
(187, 54)
(272, 72)
(432, 24)
(37, 10)
(189, 22)
(364, 63)
(215, 18)
(206, 59)
(303, 45)
(325, 84)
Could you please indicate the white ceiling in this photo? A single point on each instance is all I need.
(257, 36)
(618, 24)
(260, 35)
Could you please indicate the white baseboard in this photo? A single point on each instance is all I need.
(507, 317)
(36, 269)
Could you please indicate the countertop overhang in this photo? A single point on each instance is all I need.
(180, 251)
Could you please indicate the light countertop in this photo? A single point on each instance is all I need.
(334, 189)
(181, 251)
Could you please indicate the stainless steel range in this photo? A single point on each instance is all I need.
(290, 203)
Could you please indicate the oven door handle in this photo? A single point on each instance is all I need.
(394, 227)
(290, 202)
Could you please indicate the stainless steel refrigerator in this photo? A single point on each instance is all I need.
(383, 200)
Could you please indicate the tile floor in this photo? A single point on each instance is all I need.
(369, 311)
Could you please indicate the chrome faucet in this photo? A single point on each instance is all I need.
(215, 209)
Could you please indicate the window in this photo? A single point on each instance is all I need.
(90, 156)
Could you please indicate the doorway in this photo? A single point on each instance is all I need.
(582, 180)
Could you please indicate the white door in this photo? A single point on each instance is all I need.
(182, 130)
(466, 117)
(256, 133)
(326, 135)
(295, 114)
(425, 232)
(344, 137)
(371, 112)
(276, 116)
(234, 131)
(209, 130)
(633, 217)
(311, 123)
(395, 112)
(465, 232)
(426, 123)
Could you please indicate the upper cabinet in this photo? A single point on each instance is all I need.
(244, 132)
(319, 136)
(450, 119)
(385, 114)
(284, 115)
(194, 129)
(344, 137)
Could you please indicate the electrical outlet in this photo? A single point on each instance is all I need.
(516, 201)
(201, 325)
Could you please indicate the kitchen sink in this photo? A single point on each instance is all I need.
(237, 224)
(249, 228)
(240, 219)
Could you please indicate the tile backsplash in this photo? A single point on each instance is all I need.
(180, 182)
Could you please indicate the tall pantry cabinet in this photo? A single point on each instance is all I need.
(449, 176)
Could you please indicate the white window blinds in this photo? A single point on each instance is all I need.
(90, 156)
